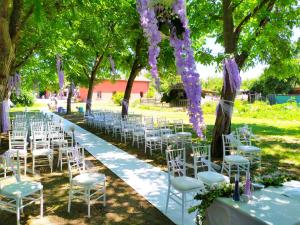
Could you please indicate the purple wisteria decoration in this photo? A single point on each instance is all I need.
(112, 65)
(149, 24)
(5, 116)
(60, 72)
(234, 75)
(155, 18)
(14, 83)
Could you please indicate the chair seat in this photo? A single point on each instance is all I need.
(235, 159)
(184, 134)
(21, 189)
(248, 148)
(185, 183)
(164, 130)
(212, 178)
(88, 179)
(40, 152)
(59, 142)
(169, 136)
(153, 138)
(138, 133)
(22, 152)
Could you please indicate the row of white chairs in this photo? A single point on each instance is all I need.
(85, 185)
(141, 130)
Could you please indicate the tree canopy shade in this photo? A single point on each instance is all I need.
(279, 78)
(251, 31)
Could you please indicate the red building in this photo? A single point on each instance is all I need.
(104, 90)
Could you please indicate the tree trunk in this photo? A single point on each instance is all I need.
(69, 100)
(134, 72)
(135, 69)
(223, 120)
(89, 97)
(6, 58)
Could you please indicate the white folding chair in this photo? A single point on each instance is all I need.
(232, 161)
(184, 137)
(153, 140)
(245, 147)
(203, 169)
(180, 186)
(16, 194)
(18, 143)
(41, 148)
(86, 186)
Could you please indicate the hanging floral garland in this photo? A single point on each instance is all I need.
(229, 66)
(169, 17)
(60, 72)
(14, 85)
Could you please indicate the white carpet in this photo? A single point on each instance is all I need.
(147, 180)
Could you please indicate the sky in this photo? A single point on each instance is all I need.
(254, 72)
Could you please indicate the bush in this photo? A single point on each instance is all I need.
(117, 98)
(24, 99)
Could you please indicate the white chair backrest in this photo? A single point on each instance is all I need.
(149, 122)
(76, 161)
(39, 135)
(202, 159)
(176, 159)
(178, 126)
(152, 133)
(244, 134)
(230, 142)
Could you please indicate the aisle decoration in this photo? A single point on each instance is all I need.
(14, 85)
(168, 18)
(60, 72)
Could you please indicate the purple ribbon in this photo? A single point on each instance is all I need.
(5, 116)
(60, 72)
(235, 80)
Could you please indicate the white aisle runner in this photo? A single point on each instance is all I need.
(147, 180)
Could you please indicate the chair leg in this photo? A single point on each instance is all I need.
(168, 197)
(33, 165)
(18, 211)
(70, 199)
(104, 194)
(42, 204)
(88, 193)
(183, 204)
(25, 165)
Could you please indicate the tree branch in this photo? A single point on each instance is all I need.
(239, 28)
(236, 5)
(26, 57)
(241, 58)
(26, 17)
(85, 72)
(15, 21)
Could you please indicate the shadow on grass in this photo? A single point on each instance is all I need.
(123, 206)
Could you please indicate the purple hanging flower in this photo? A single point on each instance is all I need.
(5, 116)
(149, 24)
(60, 72)
(181, 42)
(232, 68)
(17, 79)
